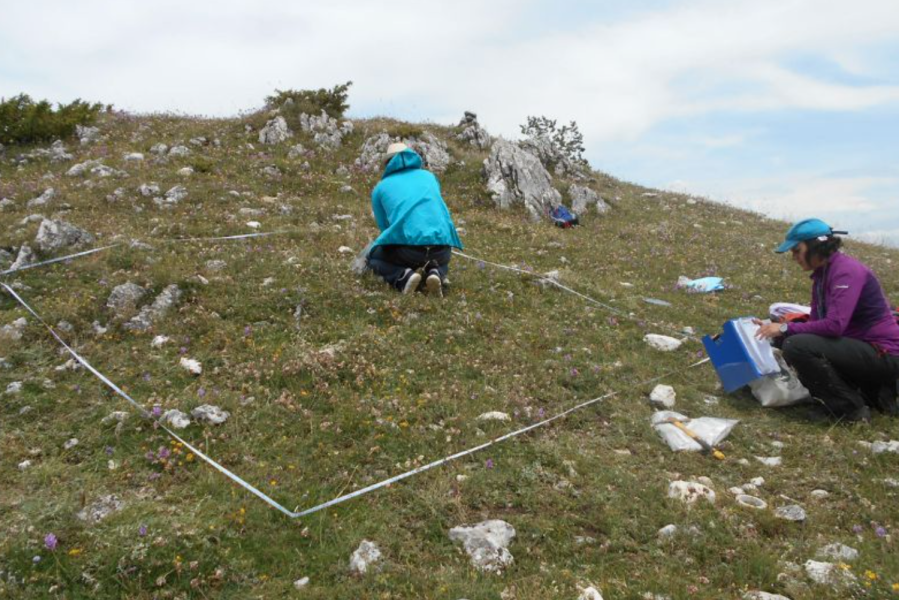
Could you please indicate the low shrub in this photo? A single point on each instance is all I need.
(23, 121)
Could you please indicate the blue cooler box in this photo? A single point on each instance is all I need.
(738, 357)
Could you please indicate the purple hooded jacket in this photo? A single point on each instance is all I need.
(854, 305)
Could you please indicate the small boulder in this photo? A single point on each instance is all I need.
(791, 512)
(663, 395)
(56, 235)
(486, 543)
(47, 195)
(275, 131)
(690, 492)
(210, 414)
(583, 198)
(838, 552)
(663, 343)
(124, 299)
(101, 508)
(176, 418)
(365, 558)
(494, 415)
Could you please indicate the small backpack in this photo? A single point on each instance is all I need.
(561, 217)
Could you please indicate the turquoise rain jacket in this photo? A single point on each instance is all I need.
(408, 206)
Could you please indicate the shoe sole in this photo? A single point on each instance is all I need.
(412, 284)
(433, 285)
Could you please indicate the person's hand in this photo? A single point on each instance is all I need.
(767, 330)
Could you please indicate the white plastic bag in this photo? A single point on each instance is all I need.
(780, 389)
(711, 430)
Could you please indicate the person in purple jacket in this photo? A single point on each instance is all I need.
(846, 354)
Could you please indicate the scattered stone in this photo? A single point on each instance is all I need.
(301, 583)
(663, 395)
(880, 447)
(179, 151)
(210, 414)
(486, 543)
(117, 416)
(176, 194)
(192, 366)
(757, 595)
(186, 171)
(275, 131)
(590, 593)
(494, 415)
(667, 531)
(159, 149)
(176, 418)
(101, 508)
(215, 265)
(70, 443)
(472, 132)
(253, 224)
(513, 175)
(769, 461)
(819, 494)
(6, 203)
(365, 558)
(838, 552)
(57, 235)
(82, 168)
(14, 331)
(104, 171)
(13, 388)
(124, 299)
(582, 198)
(25, 257)
(25, 464)
(791, 512)
(133, 157)
(296, 151)
(148, 190)
(156, 311)
(662, 342)
(271, 171)
(826, 573)
(691, 491)
(48, 195)
(87, 135)
(345, 250)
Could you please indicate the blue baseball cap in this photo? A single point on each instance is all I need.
(807, 229)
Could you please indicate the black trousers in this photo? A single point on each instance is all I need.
(844, 373)
(391, 262)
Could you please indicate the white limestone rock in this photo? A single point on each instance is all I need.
(663, 343)
(690, 492)
(210, 414)
(486, 544)
(663, 395)
(367, 557)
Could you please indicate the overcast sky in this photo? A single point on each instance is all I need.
(789, 107)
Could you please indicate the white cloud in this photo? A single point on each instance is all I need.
(616, 79)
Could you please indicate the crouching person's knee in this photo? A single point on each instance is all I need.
(797, 346)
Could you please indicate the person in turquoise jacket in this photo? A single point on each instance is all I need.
(417, 232)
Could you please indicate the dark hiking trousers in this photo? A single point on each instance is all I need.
(844, 373)
(391, 262)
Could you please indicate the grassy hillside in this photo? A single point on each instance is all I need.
(366, 383)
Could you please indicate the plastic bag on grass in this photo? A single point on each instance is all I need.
(779, 389)
(711, 430)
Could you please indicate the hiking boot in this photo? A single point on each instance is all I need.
(413, 279)
(863, 414)
(433, 284)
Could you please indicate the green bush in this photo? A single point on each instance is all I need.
(22, 120)
(312, 102)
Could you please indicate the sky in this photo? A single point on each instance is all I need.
(787, 107)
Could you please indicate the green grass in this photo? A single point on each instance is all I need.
(404, 388)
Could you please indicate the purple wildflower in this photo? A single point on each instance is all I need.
(142, 530)
(146, 376)
(201, 392)
(489, 463)
(157, 410)
(154, 476)
(573, 372)
(163, 452)
(857, 529)
(50, 541)
(880, 531)
(182, 350)
(541, 413)
(247, 330)
(109, 450)
(150, 456)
